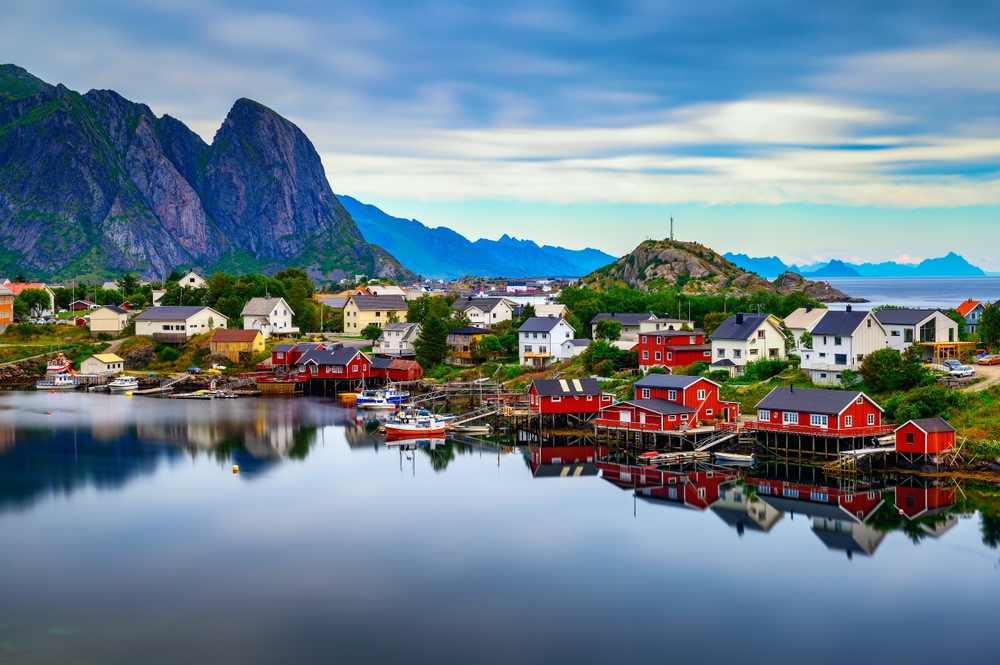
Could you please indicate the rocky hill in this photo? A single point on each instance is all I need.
(94, 185)
(697, 270)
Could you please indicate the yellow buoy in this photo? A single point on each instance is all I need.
(128, 394)
(236, 469)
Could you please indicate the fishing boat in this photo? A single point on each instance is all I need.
(415, 424)
(206, 394)
(64, 381)
(59, 364)
(382, 397)
(123, 384)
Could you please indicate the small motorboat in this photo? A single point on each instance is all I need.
(471, 429)
(206, 394)
(418, 429)
(382, 397)
(123, 384)
(733, 459)
(59, 364)
(58, 382)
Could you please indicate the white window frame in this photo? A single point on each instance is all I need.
(702, 394)
(671, 395)
(871, 419)
(645, 393)
(764, 415)
(819, 420)
(790, 417)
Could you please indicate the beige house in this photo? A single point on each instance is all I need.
(174, 325)
(109, 319)
(192, 280)
(361, 311)
(102, 363)
(803, 320)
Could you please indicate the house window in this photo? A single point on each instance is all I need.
(659, 340)
(909, 438)
(764, 415)
(658, 355)
(644, 339)
(684, 416)
(790, 418)
(645, 393)
(753, 352)
(840, 359)
(819, 496)
(951, 334)
(871, 418)
(673, 493)
(354, 368)
(894, 333)
(790, 493)
(543, 349)
(605, 398)
(544, 336)
(817, 420)
(590, 398)
(773, 353)
(557, 399)
(451, 338)
(378, 313)
(527, 349)
(736, 353)
(701, 394)
(861, 357)
(701, 492)
(908, 335)
(671, 418)
(822, 375)
(928, 332)
(859, 400)
(672, 395)
(822, 355)
(280, 356)
(760, 334)
(709, 412)
(848, 421)
(691, 340)
(722, 353)
(645, 355)
(837, 341)
(707, 354)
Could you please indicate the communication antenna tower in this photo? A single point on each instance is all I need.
(671, 228)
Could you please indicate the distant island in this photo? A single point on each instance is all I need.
(951, 265)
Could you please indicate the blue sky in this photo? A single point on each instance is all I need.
(807, 130)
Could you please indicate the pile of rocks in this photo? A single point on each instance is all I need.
(19, 375)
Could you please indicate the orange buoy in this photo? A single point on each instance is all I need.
(236, 469)
(53, 392)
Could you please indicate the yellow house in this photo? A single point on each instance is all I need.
(362, 310)
(102, 363)
(237, 344)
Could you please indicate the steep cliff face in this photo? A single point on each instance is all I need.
(698, 270)
(94, 184)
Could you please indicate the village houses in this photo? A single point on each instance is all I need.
(17, 288)
(840, 341)
(541, 341)
(363, 310)
(905, 327)
(237, 345)
(174, 324)
(6, 308)
(109, 319)
(485, 312)
(271, 316)
(629, 322)
(397, 340)
(743, 338)
(972, 311)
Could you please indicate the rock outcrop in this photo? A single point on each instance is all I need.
(94, 185)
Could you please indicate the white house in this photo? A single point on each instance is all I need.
(397, 340)
(840, 340)
(630, 324)
(653, 325)
(743, 338)
(803, 320)
(386, 290)
(174, 325)
(574, 347)
(552, 309)
(484, 312)
(17, 288)
(108, 319)
(541, 341)
(905, 326)
(271, 316)
(102, 363)
(192, 280)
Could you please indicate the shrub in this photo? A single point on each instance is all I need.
(604, 368)
(693, 369)
(764, 369)
(170, 354)
(718, 375)
(657, 370)
(923, 402)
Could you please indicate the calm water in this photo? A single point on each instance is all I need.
(943, 292)
(125, 538)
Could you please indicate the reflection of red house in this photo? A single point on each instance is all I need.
(827, 413)
(696, 490)
(564, 461)
(916, 501)
(566, 396)
(818, 501)
(925, 437)
(673, 348)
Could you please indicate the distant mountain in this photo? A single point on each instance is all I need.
(440, 253)
(952, 265)
(94, 185)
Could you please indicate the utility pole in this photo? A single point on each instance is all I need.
(671, 228)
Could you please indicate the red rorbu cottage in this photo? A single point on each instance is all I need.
(289, 354)
(664, 402)
(927, 436)
(673, 348)
(343, 364)
(570, 396)
(564, 461)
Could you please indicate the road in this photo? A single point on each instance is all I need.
(990, 372)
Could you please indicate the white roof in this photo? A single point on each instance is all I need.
(803, 319)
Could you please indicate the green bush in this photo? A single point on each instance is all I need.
(693, 369)
(764, 369)
(719, 376)
(170, 354)
(656, 370)
(604, 368)
(924, 402)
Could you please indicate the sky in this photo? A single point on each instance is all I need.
(808, 130)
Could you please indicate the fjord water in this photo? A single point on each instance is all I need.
(935, 292)
(126, 538)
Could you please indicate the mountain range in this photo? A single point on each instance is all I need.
(951, 265)
(94, 185)
(440, 253)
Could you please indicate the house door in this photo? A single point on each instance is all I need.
(642, 418)
(625, 417)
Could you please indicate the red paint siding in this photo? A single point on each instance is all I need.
(546, 404)
(915, 500)
(923, 443)
(707, 409)
(859, 505)
(642, 419)
(836, 424)
(671, 343)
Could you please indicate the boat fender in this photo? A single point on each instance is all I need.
(236, 469)
(48, 413)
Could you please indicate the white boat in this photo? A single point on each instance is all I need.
(59, 364)
(471, 429)
(382, 398)
(58, 382)
(123, 384)
(733, 459)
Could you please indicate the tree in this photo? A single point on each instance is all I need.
(392, 317)
(879, 369)
(609, 330)
(431, 344)
(712, 321)
(954, 315)
(128, 283)
(989, 326)
(371, 332)
(174, 276)
(31, 302)
(806, 340)
(20, 279)
(492, 346)
(849, 379)
(476, 351)
(528, 312)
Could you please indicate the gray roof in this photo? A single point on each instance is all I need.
(578, 342)
(114, 308)
(624, 319)
(903, 317)
(381, 363)
(482, 304)
(839, 323)
(725, 362)
(469, 330)
(541, 324)
(666, 381)
(660, 406)
(400, 326)
(262, 306)
(341, 356)
(809, 400)
(171, 313)
(4, 291)
(373, 303)
(805, 506)
(931, 425)
(730, 329)
(560, 387)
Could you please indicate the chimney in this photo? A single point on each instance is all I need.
(848, 308)
(809, 308)
(739, 318)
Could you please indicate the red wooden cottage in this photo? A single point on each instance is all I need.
(697, 491)
(828, 503)
(289, 353)
(577, 396)
(335, 364)
(826, 413)
(927, 436)
(673, 348)
(402, 369)
(564, 461)
(647, 415)
(695, 392)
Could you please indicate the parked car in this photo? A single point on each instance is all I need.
(194, 370)
(17, 319)
(955, 368)
(989, 360)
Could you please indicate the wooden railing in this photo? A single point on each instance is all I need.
(815, 430)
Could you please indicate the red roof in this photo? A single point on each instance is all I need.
(235, 335)
(967, 306)
(16, 288)
(400, 363)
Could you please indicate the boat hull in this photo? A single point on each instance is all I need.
(406, 431)
(42, 385)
